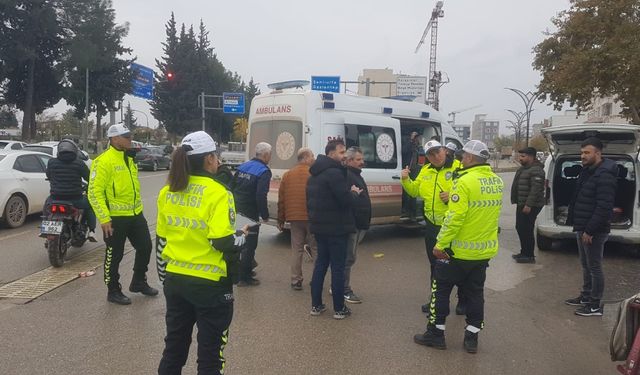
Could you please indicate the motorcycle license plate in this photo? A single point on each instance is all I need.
(51, 227)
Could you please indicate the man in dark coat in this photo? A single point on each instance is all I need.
(527, 193)
(329, 201)
(590, 214)
(361, 213)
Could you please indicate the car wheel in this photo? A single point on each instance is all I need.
(544, 243)
(155, 166)
(15, 212)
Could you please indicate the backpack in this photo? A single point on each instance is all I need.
(625, 329)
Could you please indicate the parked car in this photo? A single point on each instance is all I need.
(23, 185)
(11, 145)
(562, 167)
(51, 148)
(153, 158)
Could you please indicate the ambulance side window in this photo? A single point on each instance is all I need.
(378, 144)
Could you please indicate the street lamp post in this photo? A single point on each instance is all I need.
(517, 125)
(145, 115)
(528, 98)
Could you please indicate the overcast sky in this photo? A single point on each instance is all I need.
(483, 46)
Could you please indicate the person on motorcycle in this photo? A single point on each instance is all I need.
(65, 173)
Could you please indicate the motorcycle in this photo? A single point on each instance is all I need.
(62, 226)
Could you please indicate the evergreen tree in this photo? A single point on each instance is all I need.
(30, 49)
(129, 119)
(95, 45)
(7, 118)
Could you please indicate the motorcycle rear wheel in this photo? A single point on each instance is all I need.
(56, 250)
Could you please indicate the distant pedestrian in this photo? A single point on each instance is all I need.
(451, 150)
(114, 195)
(292, 208)
(590, 213)
(197, 262)
(250, 188)
(329, 200)
(467, 241)
(410, 152)
(433, 185)
(527, 193)
(362, 214)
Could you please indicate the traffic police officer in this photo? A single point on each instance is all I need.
(466, 243)
(433, 185)
(114, 195)
(197, 252)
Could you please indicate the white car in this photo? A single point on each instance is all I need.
(12, 145)
(23, 185)
(51, 148)
(562, 167)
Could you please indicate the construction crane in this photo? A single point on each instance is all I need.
(435, 77)
(454, 113)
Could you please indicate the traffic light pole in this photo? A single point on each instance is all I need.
(203, 107)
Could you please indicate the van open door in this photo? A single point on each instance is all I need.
(617, 138)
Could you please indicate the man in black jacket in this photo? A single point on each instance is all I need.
(590, 214)
(527, 193)
(329, 201)
(361, 213)
(250, 188)
(65, 173)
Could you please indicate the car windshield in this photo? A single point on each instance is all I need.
(45, 149)
(3, 144)
(144, 151)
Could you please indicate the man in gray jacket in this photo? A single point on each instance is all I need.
(527, 192)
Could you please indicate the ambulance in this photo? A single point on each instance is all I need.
(291, 117)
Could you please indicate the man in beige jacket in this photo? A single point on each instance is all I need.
(292, 207)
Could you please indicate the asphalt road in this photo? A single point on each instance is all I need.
(73, 330)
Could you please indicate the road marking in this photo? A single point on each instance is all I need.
(9, 236)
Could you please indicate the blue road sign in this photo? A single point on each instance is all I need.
(142, 81)
(325, 83)
(233, 102)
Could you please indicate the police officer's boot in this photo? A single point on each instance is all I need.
(139, 285)
(433, 337)
(116, 296)
(470, 341)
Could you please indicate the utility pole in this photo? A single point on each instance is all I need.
(85, 128)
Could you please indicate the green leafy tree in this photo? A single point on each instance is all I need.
(194, 69)
(8, 118)
(96, 45)
(30, 50)
(129, 119)
(595, 51)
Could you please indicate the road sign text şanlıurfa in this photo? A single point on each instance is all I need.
(142, 81)
(325, 83)
(233, 102)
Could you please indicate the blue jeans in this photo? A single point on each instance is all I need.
(591, 260)
(332, 250)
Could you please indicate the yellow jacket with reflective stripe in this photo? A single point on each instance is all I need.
(114, 188)
(188, 219)
(470, 227)
(428, 185)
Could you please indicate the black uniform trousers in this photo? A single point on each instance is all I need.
(193, 300)
(136, 229)
(430, 239)
(525, 224)
(471, 274)
(248, 254)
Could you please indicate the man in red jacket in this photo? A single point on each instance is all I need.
(292, 207)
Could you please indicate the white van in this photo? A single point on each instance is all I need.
(292, 118)
(562, 167)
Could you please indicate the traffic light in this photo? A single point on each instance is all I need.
(169, 76)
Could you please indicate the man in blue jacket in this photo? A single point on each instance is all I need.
(590, 214)
(250, 188)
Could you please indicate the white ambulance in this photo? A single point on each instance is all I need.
(291, 117)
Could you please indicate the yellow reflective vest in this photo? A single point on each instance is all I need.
(114, 188)
(428, 185)
(188, 219)
(470, 227)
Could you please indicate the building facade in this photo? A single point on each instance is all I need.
(485, 130)
(463, 130)
(606, 110)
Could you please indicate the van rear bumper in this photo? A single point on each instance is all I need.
(558, 232)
